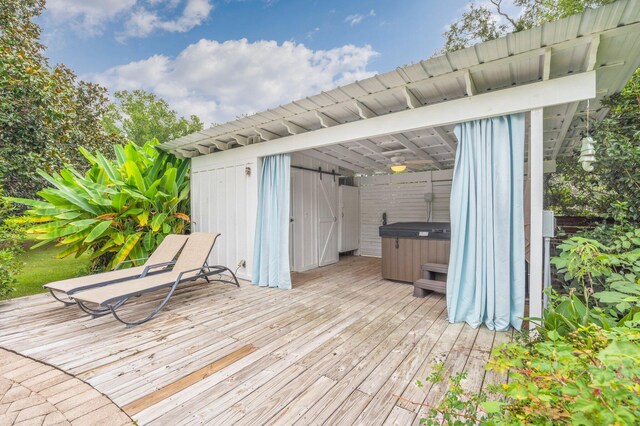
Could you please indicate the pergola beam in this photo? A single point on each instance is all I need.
(564, 130)
(417, 151)
(265, 134)
(593, 52)
(186, 153)
(358, 158)
(335, 161)
(240, 140)
(592, 59)
(371, 146)
(546, 64)
(204, 150)
(444, 137)
(557, 91)
(364, 111)
(412, 101)
(469, 83)
(325, 120)
(292, 128)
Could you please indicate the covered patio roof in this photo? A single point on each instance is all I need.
(605, 41)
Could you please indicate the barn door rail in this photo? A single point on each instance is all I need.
(319, 170)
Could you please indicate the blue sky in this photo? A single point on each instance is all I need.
(222, 58)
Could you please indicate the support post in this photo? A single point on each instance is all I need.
(536, 164)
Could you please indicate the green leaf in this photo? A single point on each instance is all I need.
(118, 238)
(553, 335)
(97, 231)
(124, 251)
(148, 241)
(158, 221)
(134, 172)
(492, 406)
(618, 350)
(119, 201)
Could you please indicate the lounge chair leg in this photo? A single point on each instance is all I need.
(113, 308)
(66, 303)
(235, 279)
(96, 313)
(148, 317)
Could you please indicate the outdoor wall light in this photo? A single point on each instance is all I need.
(398, 168)
(587, 154)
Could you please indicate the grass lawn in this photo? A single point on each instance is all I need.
(41, 267)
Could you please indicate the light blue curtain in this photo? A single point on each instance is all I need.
(486, 280)
(271, 248)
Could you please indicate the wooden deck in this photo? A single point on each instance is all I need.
(342, 347)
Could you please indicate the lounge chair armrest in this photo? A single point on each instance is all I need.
(130, 261)
(205, 270)
(157, 265)
(189, 271)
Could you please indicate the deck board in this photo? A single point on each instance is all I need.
(342, 347)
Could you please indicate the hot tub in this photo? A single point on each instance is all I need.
(406, 246)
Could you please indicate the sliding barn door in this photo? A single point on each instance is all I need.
(327, 221)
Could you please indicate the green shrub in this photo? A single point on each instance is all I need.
(11, 238)
(583, 368)
(117, 210)
(589, 377)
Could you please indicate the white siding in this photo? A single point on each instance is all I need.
(348, 218)
(224, 200)
(401, 196)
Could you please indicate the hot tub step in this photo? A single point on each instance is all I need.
(441, 268)
(423, 286)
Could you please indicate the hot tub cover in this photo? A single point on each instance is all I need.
(419, 230)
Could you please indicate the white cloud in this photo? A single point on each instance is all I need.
(140, 17)
(220, 81)
(144, 21)
(88, 16)
(357, 18)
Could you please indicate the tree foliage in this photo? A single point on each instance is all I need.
(119, 209)
(489, 20)
(45, 112)
(11, 239)
(141, 116)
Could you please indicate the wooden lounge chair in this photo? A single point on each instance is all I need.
(191, 265)
(159, 261)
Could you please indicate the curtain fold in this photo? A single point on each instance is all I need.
(271, 248)
(486, 279)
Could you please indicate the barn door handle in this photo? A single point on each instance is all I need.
(397, 243)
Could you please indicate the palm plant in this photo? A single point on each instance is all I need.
(118, 210)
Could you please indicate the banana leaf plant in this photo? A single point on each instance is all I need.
(118, 210)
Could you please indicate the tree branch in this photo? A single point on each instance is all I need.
(498, 4)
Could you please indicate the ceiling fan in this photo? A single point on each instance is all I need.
(399, 163)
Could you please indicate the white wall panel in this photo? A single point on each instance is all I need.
(401, 196)
(348, 218)
(224, 200)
